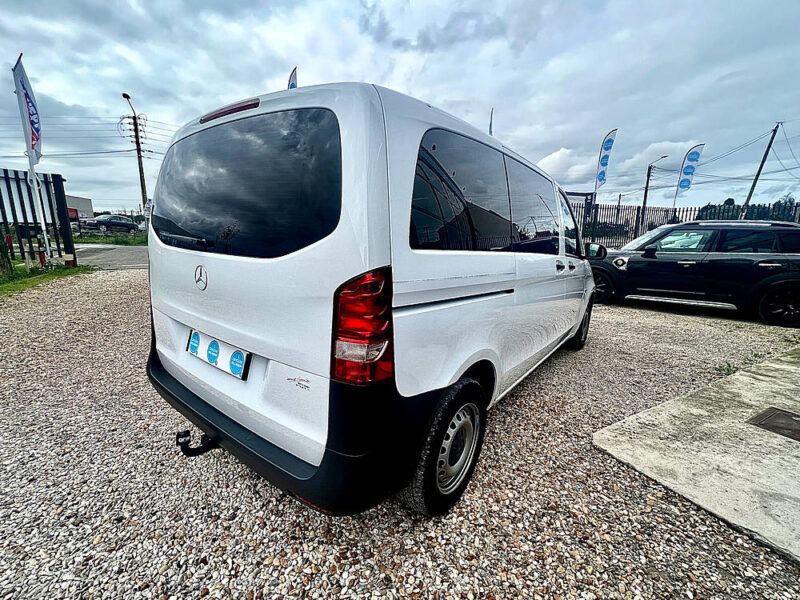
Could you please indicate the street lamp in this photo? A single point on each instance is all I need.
(138, 150)
(646, 189)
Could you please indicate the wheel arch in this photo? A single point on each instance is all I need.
(483, 370)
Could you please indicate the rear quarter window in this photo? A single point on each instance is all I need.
(460, 196)
(262, 186)
(790, 241)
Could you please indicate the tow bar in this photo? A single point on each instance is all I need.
(184, 438)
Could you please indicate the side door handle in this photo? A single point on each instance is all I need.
(560, 266)
(571, 266)
(770, 265)
(687, 262)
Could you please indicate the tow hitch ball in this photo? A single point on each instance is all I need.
(184, 438)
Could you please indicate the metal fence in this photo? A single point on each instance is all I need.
(615, 225)
(21, 208)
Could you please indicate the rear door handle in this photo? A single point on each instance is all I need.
(560, 266)
(770, 265)
(687, 262)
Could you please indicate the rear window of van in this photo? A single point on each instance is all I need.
(262, 186)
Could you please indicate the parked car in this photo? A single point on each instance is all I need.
(359, 277)
(750, 266)
(110, 224)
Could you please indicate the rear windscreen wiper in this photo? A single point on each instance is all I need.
(185, 239)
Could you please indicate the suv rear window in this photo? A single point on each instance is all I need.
(262, 186)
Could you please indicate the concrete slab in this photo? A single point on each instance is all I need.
(702, 447)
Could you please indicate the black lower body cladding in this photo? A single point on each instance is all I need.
(374, 439)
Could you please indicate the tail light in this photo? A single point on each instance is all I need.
(362, 329)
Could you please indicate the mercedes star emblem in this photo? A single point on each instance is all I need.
(201, 277)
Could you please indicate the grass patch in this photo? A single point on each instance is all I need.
(22, 280)
(726, 369)
(137, 239)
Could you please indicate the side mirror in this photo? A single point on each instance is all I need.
(650, 251)
(596, 251)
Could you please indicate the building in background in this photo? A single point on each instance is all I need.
(82, 205)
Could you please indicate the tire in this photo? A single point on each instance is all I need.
(458, 424)
(603, 287)
(578, 341)
(780, 305)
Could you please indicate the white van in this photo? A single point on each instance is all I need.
(343, 281)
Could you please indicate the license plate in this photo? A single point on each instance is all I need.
(225, 357)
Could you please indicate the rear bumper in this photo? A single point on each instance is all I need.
(374, 440)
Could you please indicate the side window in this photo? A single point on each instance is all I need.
(790, 241)
(746, 241)
(685, 241)
(534, 214)
(469, 181)
(572, 238)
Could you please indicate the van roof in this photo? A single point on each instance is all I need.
(313, 95)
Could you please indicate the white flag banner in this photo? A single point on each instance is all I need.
(293, 79)
(602, 161)
(28, 112)
(688, 168)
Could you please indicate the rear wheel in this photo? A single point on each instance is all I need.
(603, 287)
(451, 449)
(780, 305)
(578, 341)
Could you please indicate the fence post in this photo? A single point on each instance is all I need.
(638, 222)
(56, 221)
(5, 222)
(12, 204)
(595, 211)
(63, 219)
(18, 180)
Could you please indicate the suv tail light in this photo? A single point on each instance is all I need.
(362, 329)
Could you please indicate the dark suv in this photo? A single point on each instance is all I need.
(110, 223)
(752, 266)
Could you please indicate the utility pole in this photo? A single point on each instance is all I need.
(138, 149)
(647, 187)
(760, 167)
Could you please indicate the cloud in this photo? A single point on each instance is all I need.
(558, 75)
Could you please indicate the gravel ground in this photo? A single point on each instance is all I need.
(97, 502)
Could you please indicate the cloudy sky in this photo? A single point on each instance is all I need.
(560, 75)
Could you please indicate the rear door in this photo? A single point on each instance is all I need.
(250, 237)
(741, 259)
(676, 269)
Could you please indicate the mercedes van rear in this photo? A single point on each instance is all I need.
(300, 323)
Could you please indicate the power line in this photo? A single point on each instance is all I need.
(783, 129)
(735, 149)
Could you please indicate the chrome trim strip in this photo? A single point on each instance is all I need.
(706, 303)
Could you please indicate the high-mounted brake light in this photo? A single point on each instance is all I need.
(229, 110)
(362, 329)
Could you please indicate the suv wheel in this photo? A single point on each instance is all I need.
(450, 451)
(578, 341)
(780, 305)
(603, 287)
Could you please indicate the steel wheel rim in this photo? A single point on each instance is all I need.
(458, 448)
